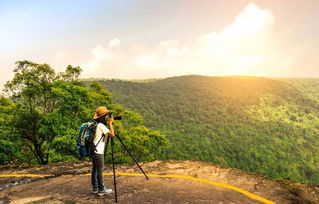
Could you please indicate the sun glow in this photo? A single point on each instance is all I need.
(264, 38)
(244, 47)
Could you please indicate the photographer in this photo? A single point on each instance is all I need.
(102, 117)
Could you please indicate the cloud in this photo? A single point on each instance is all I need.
(244, 47)
(101, 57)
(114, 43)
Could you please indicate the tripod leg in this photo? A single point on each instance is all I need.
(107, 143)
(112, 147)
(131, 156)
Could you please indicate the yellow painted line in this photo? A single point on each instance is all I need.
(251, 195)
(27, 175)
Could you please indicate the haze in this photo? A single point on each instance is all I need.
(151, 39)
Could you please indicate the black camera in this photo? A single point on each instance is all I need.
(118, 117)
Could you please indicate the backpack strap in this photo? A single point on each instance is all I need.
(103, 135)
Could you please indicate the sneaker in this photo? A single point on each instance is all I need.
(95, 191)
(105, 192)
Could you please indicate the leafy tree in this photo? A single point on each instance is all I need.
(49, 109)
(37, 91)
(9, 144)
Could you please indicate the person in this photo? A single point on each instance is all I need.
(101, 116)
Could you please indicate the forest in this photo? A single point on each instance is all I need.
(42, 111)
(268, 126)
(263, 125)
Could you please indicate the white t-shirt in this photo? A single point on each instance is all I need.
(100, 130)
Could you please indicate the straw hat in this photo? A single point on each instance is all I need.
(100, 111)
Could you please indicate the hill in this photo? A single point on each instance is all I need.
(261, 125)
(169, 182)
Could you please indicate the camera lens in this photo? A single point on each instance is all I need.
(117, 117)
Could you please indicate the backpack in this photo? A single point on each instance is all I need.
(84, 144)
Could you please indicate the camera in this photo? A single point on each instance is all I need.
(118, 117)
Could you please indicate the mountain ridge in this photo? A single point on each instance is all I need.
(256, 124)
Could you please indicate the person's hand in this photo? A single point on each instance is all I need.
(110, 136)
(111, 120)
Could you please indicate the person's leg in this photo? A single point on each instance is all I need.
(94, 178)
(103, 189)
(100, 169)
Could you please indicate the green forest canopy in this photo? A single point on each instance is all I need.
(263, 125)
(41, 118)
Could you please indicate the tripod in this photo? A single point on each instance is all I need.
(112, 147)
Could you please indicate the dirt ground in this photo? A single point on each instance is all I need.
(68, 184)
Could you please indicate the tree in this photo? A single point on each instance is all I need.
(36, 89)
(10, 145)
(49, 109)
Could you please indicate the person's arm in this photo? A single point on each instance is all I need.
(111, 133)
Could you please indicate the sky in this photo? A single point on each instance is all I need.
(154, 39)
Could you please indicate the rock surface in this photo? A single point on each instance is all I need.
(68, 184)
